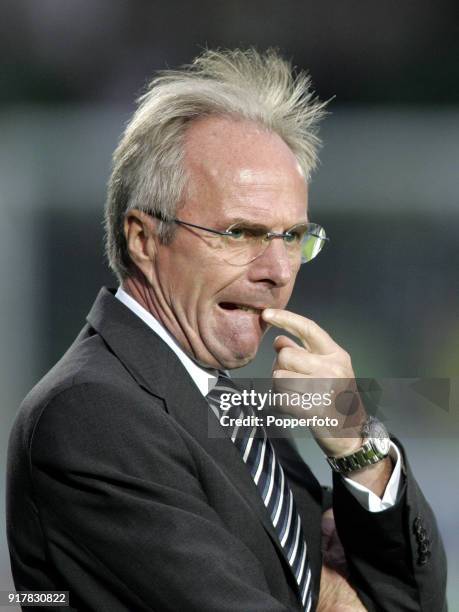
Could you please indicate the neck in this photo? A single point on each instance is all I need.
(138, 287)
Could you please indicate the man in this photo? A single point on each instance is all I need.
(117, 492)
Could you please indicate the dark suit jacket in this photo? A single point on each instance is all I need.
(117, 494)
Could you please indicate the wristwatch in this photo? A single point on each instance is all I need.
(375, 448)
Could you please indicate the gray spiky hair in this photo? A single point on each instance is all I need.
(148, 171)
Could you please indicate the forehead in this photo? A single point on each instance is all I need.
(239, 169)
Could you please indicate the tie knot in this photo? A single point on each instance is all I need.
(220, 398)
(224, 386)
(225, 380)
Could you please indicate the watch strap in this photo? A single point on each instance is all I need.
(366, 455)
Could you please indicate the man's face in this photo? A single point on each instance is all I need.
(237, 171)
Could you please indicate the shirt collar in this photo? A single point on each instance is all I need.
(204, 378)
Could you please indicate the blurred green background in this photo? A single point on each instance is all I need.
(386, 287)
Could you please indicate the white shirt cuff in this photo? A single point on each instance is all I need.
(369, 500)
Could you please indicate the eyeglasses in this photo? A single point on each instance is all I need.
(241, 243)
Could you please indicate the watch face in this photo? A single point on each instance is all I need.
(379, 437)
(382, 445)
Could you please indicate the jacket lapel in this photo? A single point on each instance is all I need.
(157, 370)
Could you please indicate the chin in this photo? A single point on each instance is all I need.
(237, 362)
(237, 357)
(231, 347)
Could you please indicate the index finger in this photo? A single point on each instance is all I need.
(313, 337)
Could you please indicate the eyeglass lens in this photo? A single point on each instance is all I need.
(246, 245)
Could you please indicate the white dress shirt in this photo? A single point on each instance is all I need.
(206, 378)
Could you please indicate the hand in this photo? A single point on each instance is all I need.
(333, 555)
(336, 594)
(319, 357)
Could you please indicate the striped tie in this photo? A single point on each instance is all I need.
(259, 456)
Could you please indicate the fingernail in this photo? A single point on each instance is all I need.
(268, 313)
(275, 373)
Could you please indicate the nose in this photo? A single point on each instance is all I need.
(273, 265)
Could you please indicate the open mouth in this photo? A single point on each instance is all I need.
(243, 307)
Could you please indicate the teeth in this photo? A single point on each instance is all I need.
(248, 309)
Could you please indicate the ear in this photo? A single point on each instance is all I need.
(140, 234)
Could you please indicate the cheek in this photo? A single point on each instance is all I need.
(285, 294)
(197, 294)
(182, 273)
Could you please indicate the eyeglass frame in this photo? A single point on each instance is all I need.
(268, 235)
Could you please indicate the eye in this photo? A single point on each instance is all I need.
(237, 233)
(246, 233)
(293, 236)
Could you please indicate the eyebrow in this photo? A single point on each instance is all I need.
(260, 226)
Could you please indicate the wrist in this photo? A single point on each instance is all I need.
(373, 448)
(345, 447)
